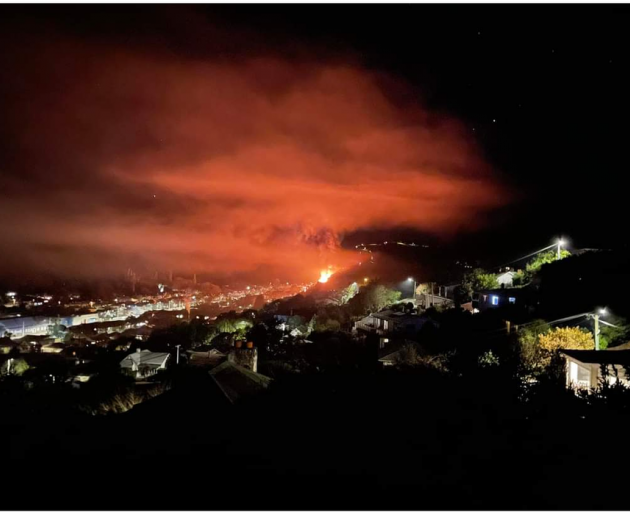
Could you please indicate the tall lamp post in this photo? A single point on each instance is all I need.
(414, 287)
(595, 317)
(560, 244)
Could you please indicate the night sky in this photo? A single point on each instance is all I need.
(262, 140)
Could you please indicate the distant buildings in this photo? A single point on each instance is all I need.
(24, 326)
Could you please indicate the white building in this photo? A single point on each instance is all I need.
(144, 363)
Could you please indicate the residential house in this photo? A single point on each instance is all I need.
(211, 358)
(391, 353)
(506, 279)
(427, 300)
(501, 297)
(390, 322)
(53, 348)
(144, 363)
(584, 368)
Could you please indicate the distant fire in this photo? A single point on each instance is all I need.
(324, 275)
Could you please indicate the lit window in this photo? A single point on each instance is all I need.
(579, 376)
(512, 300)
(494, 299)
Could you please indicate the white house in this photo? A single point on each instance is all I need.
(584, 367)
(144, 363)
(506, 279)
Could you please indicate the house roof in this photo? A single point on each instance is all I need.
(623, 346)
(510, 273)
(237, 382)
(210, 358)
(145, 357)
(621, 357)
(389, 314)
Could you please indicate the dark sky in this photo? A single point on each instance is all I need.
(257, 139)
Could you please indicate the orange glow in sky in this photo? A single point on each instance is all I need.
(257, 166)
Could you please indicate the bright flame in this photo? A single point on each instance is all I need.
(324, 275)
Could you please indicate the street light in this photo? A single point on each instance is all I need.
(414, 287)
(595, 317)
(560, 244)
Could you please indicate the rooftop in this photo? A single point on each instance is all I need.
(621, 357)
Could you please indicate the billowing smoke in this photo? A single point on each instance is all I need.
(114, 155)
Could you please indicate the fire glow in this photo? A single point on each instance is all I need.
(324, 275)
(285, 156)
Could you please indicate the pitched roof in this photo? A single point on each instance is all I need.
(145, 357)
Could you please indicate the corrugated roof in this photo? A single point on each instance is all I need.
(145, 357)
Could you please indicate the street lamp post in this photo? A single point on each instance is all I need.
(560, 243)
(595, 317)
(414, 287)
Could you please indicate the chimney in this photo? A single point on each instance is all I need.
(247, 356)
(138, 350)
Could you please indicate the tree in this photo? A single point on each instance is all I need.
(57, 330)
(544, 258)
(519, 278)
(346, 294)
(613, 336)
(528, 343)
(478, 280)
(372, 298)
(572, 338)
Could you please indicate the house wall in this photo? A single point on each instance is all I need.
(594, 372)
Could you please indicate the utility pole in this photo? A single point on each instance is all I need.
(560, 242)
(177, 360)
(596, 319)
(413, 296)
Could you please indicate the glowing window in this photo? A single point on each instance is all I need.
(512, 300)
(494, 299)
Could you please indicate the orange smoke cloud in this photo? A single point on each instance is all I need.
(210, 165)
